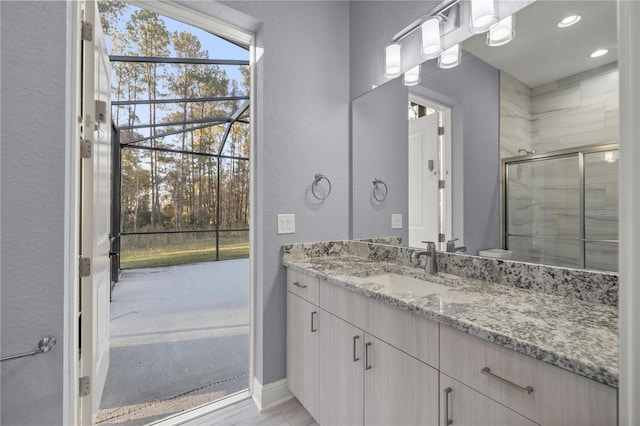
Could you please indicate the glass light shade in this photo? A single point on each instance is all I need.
(450, 58)
(412, 77)
(393, 60)
(501, 33)
(483, 15)
(431, 42)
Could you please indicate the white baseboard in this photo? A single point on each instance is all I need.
(271, 394)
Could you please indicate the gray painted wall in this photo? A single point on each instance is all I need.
(372, 25)
(302, 129)
(380, 138)
(34, 121)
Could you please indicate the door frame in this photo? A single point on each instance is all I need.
(445, 116)
(71, 405)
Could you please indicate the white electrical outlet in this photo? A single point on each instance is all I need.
(286, 224)
(396, 221)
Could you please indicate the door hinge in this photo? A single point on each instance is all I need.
(441, 238)
(84, 385)
(85, 267)
(86, 148)
(86, 31)
(440, 130)
(440, 184)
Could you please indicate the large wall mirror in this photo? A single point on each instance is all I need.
(513, 152)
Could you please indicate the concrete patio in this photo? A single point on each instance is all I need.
(179, 339)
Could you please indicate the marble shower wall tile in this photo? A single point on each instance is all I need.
(515, 116)
(577, 110)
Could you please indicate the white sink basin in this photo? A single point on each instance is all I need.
(403, 284)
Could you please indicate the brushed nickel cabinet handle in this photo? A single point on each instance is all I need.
(356, 358)
(313, 316)
(525, 390)
(297, 284)
(447, 420)
(367, 366)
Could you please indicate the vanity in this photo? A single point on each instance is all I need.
(373, 339)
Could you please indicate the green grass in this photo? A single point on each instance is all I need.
(153, 254)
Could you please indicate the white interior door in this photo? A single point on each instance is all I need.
(95, 214)
(424, 173)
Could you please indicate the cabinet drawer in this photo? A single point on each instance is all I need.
(463, 406)
(557, 396)
(408, 332)
(303, 285)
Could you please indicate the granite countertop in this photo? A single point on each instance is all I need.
(578, 336)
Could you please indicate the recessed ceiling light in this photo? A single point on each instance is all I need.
(569, 21)
(598, 53)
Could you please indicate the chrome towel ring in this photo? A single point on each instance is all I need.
(320, 177)
(378, 187)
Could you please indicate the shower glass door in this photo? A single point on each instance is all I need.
(601, 210)
(560, 208)
(543, 211)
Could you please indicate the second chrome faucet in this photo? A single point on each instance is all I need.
(432, 266)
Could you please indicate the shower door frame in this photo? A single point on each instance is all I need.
(580, 151)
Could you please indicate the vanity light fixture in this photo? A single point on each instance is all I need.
(412, 77)
(569, 21)
(393, 60)
(450, 58)
(610, 156)
(501, 33)
(598, 53)
(483, 15)
(431, 41)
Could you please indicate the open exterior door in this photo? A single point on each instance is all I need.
(95, 214)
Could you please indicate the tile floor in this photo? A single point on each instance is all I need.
(245, 413)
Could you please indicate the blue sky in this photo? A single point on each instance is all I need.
(217, 47)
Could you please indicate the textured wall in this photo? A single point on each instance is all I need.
(33, 208)
(302, 129)
(373, 24)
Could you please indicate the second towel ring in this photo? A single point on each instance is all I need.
(377, 183)
(319, 177)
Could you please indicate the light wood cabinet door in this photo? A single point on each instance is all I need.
(556, 396)
(303, 342)
(405, 330)
(398, 389)
(341, 372)
(460, 405)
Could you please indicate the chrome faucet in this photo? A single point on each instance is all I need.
(451, 246)
(432, 266)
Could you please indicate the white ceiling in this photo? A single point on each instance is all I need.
(541, 52)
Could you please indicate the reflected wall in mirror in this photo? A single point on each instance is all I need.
(538, 94)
